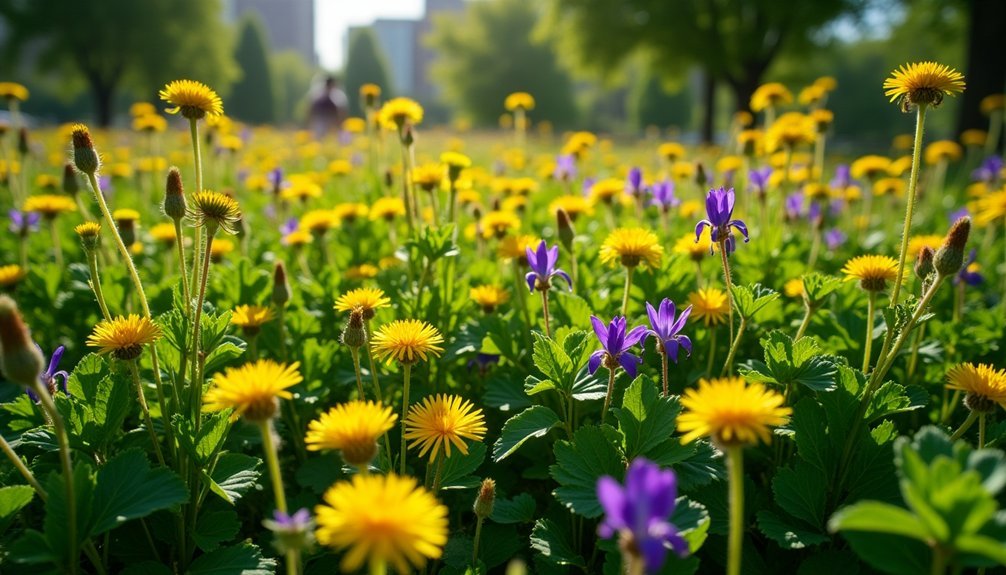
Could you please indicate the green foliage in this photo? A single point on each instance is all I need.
(488, 53)
(13, 498)
(949, 492)
(245, 558)
(651, 103)
(646, 419)
(127, 488)
(535, 421)
(753, 298)
(793, 362)
(552, 542)
(253, 96)
(365, 64)
(580, 463)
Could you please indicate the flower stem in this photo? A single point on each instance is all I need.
(281, 319)
(475, 544)
(57, 247)
(920, 120)
(663, 361)
(972, 416)
(135, 373)
(407, 374)
(807, 314)
(180, 244)
(730, 287)
(628, 288)
(607, 396)
(92, 263)
(355, 352)
(439, 473)
(21, 468)
(868, 342)
(67, 464)
(197, 239)
(196, 389)
(544, 310)
(272, 460)
(728, 366)
(712, 350)
(253, 348)
(981, 431)
(378, 566)
(735, 465)
(373, 372)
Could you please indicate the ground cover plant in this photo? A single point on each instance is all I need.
(233, 349)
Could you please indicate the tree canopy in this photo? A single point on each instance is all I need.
(365, 64)
(114, 44)
(489, 53)
(253, 97)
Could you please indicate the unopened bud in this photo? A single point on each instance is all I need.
(70, 184)
(90, 235)
(22, 141)
(979, 403)
(485, 499)
(408, 135)
(700, 175)
(20, 360)
(174, 195)
(355, 335)
(566, 230)
(389, 178)
(924, 263)
(85, 158)
(950, 257)
(127, 231)
(280, 286)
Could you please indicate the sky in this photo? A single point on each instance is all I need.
(334, 17)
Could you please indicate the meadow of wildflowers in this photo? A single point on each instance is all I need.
(236, 349)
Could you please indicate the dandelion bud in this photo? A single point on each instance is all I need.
(22, 141)
(485, 499)
(280, 286)
(566, 230)
(924, 263)
(90, 235)
(125, 222)
(174, 195)
(20, 359)
(950, 257)
(84, 155)
(979, 403)
(408, 135)
(355, 335)
(70, 184)
(389, 178)
(700, 175)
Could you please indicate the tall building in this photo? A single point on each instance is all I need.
(288, 23)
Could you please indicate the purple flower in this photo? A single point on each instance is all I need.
(815, 215)
(542, 262)
(957, 214)
(483, 361)
(971, 278)
(299, 520)
(719, 211)
(842, 177)
(616, 343)
(759, 178)
(48, 377)
(663, 195)
(634, 183)
(794, 206)
(666, 329)
(22, 223)
(988, 171)
(639, 512)
(834, 238)
(587, 184)
(292, 532)
(565, 168)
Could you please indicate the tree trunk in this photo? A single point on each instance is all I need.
(708, 107)
(986, 69)
(745, 86)
(103, 93)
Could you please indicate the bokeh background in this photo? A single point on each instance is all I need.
(631, 67)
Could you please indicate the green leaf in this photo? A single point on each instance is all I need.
(127, 488)
(57, 516)
(692, 520)
(787, 535)
(519, 509)
(534, 386)
(245, 559)
(801, 492)
(504, 390)
(984, 546)
(788, 361)
(234, 475)
(202, 444)
(552, 542)
(214, 528)
(551, 359)
(319, 473)
(752, 298)
(646, 418)
(817, 286)
(535, 421)
(146, 568)
(458, 467)
(229, 349)
(13, 498)
(578, 466)
(878, 517)
(893, 398)
(830, 562)
(891, 553)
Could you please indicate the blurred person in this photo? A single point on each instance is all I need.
(329, 107)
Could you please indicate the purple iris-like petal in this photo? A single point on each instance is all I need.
(612, 499)
(842, 177)
(595, 361)
(565, 168)
(741, 227)
(703, 224)
(542, 261)
(834, 238)
(289, 226)
(989, 170)
(587, 184)
(970, 278)
(719, 210)
(629, 362)
(663, 195)
(666, 328)
(615, 343)
(566, 277)
(634, 337)
(634, 183)
(532, 279)
(759, 178)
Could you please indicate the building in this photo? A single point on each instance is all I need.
(402, 42)
(289, 24)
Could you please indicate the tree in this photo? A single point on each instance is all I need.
(113, 44)
(489, 52)
(292, 80)
(365, 64)
(253, 95)
(986, 68)
(652, 104)
(733, 41)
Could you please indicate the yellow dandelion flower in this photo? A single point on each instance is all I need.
(794, 288)
(607, 190)
(742, 118)
(318, 221)
(11, 274)
(251, 318)
(870, 167)
(789, 131)
(349, 212)
(366, 299)
(498, 223)
(396, 112)
(125, 215)
(982, 384)
(138, 109)
(943, 151)
(13, 91)
(682, 170)
(731, 412)
(729, 164)
(903, 142)
(352, 428)
(301, 188)
(193, 100)
(387, 209)
(488, 297)
(361, 272)
(340, 167)
(521, 100)
(427, 176)
(382, 520)
(455, 160)
(751, 142)
(711, 305)
(49, 205)
(632, 247)
(889, 187)
(252, 390)
(770, 95)
(811, 95)
(354, 125)
(370, 91)
(992, 103)
(209, 208)
(164, 233)
(222, 247)
(916, 243)
(294, 239)
(124, 336)
(990, 208)
(900, 166)
(515, 247)
(923, 83)
(975, 138)
(150, 123)
(695, 250)
(407, 341)
(872, 271)
(575, 206)
(689, 208)
(442, 421)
